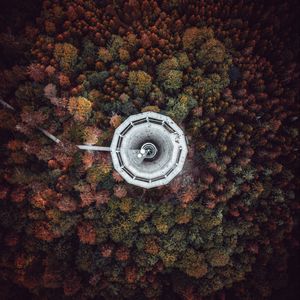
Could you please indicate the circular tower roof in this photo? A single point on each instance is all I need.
(148, 149)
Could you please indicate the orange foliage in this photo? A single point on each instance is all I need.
(188, 195)
(38, 201)
(87, 160)
(91, 135)
(115, 121)
(14, 145)
(64, 80)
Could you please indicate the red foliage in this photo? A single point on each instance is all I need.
(215, 167)
(3, 192)
(50, 91)
(64, 80)
(175, 185)
(15, 145)
(33, 118)
(43, 231)
(18, 195)
(64, 158)
(234, 212)
(72, 284)
(94, 280)
(52, 280)
(71, 13)
(131, 274)
(122, 254)
(52, 164)
(188, 195)
(22, 261)
(145, 41)
(253, 247)
(63, 183)
(87, 199)
(102, 197)
(210, 204)
(117, 177)
(197, 111)
(87, 160)
(50, 70)
(11, 239)
(106, 250)
(43, 198)
(207, 178)
(66, 204)
(120, 191)
(36, 72)
(86, 233)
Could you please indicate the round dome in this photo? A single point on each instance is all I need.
(148, 149)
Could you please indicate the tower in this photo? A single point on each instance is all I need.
(148, 149)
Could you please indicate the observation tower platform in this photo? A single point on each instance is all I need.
(148, 149)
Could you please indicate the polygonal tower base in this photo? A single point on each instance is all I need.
(148, 149)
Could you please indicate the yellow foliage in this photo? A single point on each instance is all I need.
(193, 35)
(168, 259)
(153, 108)
(218, 258)
(54, 215)
(190, 37)
(104, 55)
(126, 205)
(162, 227)
(98, 172)
(197, 271)
(183, 217)
(209, 222)
(140, 82)
(213, 51)
(50, 27)
(140, 215)
(184, 99)
(124, 55)
(115, 120)
(151, 247)
(80, 107)
(193, 264)
(95, 95)
(132, 40)
(66, 55)
(125, 226)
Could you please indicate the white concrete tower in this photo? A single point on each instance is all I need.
(148, 149)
